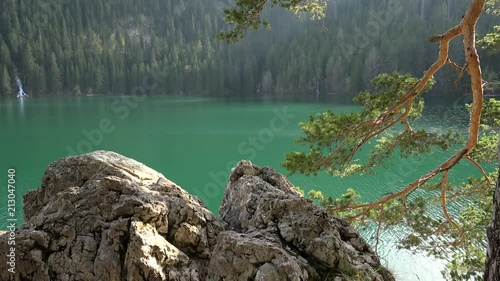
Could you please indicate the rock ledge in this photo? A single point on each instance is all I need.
(102, 216)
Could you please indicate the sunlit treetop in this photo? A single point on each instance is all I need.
(246, 14)
(335, 140)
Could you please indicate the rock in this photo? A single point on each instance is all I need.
(102, 216)
(266, 208)
(241, 256)
(244, 167)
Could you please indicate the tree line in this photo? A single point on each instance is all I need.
(106, 48)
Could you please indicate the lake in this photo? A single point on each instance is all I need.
(195, 142)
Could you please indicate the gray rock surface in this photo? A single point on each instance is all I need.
(102, 216)
(266, 209)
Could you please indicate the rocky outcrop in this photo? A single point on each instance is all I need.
(281, 235)
(102, 216)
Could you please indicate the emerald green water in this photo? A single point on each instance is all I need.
(192, 141)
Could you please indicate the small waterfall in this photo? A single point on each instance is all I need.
(20, 93)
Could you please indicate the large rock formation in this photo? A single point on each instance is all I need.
(279, 235)
(102, 216)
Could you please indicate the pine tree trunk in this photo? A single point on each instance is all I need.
(492, 270)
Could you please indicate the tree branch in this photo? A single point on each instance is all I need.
(445, 210)
(380, 213)
(466, 28)
(486, 178)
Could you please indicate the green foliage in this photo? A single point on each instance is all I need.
(427, 232)
(300, 190)
(340, 206)
(108, 49)
(55, 80)
(493, 7)
(490, 116)
(490, 124)
(492, 40)
(247, 14)
(468, 262)
(390, 88)
(410, 143)
(334, 139)
(5, 81)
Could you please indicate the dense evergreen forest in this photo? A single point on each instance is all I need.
(93, 47)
